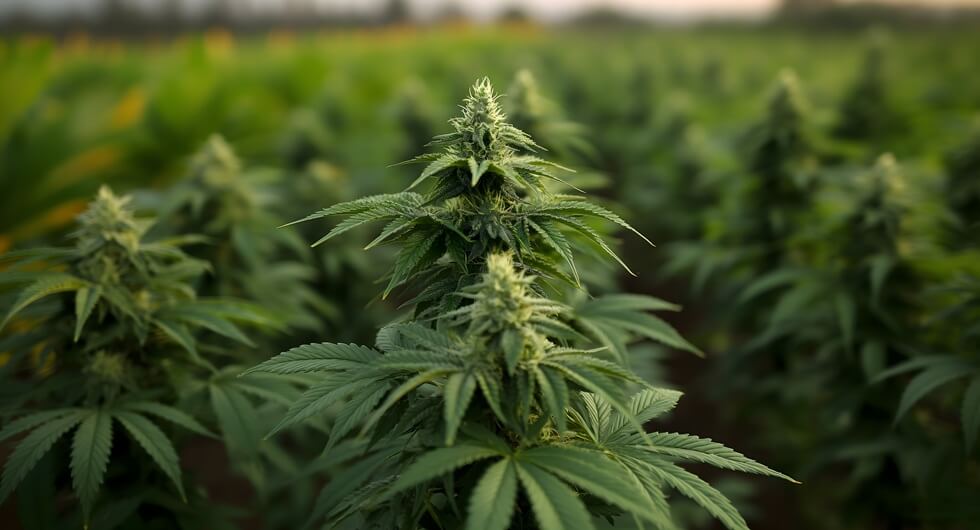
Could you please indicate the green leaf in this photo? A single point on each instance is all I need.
(170, 414)
(403, 390)
(155, 443)
(90, 456)
(237, 418)
(553, 237)
(457, 394)
(927, 381)
(179, 333)
(555, 505)
(34, 446)
(357, 410)
(439, 461)
(492, 500)
(47, 286)
(440, 164)
(30, 421)
(692, 487)
(512, 341)
(490, 387)
(646, 405)
(319, 357)
(555, 394)
(706, 451)
(200, 316)
(85, 300)
(407, 261)
(594, 473)
(971, 413)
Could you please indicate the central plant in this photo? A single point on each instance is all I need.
(496, 405)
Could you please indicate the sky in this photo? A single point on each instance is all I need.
(552, 9)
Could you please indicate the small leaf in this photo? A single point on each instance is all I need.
(47, 286)
(457, 394)
(512, 341)
(85, 300)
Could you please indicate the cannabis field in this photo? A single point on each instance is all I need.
(683, 279)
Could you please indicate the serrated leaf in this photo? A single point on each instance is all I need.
(706, 451)
(491, 505)
(457, 393)
(696, 489)
(595, 474)
(44, 287)
(85, 300)
(555, 505)
(555, 394)
(170, 414)
(30, 421)
(90, 456)
(324, 356)
(512, 341)
(30, 450)
(155, 443)
(237, 418)
(433, 464)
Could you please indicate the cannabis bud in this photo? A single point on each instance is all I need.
(108, 237)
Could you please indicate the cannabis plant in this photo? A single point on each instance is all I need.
(231, 207)
(752, 235)
(494, 405)
(98, 338)
(837, 321)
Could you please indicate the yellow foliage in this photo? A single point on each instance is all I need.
(129, 109)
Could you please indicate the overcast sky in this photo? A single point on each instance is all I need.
(484, 8)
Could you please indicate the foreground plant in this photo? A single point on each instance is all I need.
(99, 338)
(495, 405)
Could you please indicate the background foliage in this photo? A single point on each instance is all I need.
(833, 289)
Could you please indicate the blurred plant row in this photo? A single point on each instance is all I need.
(827, 234)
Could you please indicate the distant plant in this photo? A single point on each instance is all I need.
(842, 321)
(102, 334)
(233, 209)
(868, 112)
(752, 233)
(491, 387)
(962, 189)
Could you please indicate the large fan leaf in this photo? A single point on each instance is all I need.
(90, 456)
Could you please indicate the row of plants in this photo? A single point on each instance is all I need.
(835, 287)
(843, 292)
(497, 375)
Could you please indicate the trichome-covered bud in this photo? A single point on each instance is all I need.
(108, 237)
(482, 132)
